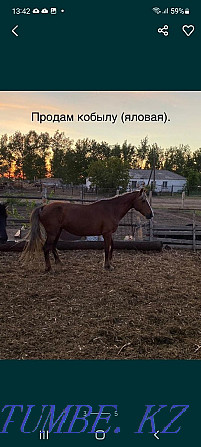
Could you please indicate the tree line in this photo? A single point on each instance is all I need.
(34, 156)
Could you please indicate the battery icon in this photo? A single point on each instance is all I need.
(187, 11)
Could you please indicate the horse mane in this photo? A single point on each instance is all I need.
(118, 196)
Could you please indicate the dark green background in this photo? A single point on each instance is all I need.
(101, 46)
(106, 45)
(129, 384)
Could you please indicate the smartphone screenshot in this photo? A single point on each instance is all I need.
(100, 223)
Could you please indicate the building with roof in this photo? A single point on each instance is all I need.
(50, 181)
(165, 181)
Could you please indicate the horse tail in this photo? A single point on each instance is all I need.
(36, 241)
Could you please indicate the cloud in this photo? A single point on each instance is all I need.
(5, 106)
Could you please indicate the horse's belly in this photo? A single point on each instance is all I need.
(90, 228)
(83, 230)
(82, 222)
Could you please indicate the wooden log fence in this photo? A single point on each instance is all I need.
(173, 236)
(90, 245)
(178, 236)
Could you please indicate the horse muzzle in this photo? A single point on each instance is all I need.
(150, 215)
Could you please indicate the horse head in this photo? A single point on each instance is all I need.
(142, 205)
(3, 217)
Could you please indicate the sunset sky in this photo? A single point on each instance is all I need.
(183, 109)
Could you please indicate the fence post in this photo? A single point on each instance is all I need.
(150, 197)
(194, 232)
(132, 224)
(44, 195)
(182, 199)
(151, 229)
(139, 229)
(82, 194)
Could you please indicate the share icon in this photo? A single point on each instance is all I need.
(164, 30)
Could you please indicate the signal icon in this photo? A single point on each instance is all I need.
(156, 10)
(165, 11)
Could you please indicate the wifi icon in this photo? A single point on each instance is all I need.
(156, 10)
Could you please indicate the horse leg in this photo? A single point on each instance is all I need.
(111, 251)
(48, 245)
(108, 245)
(54, 250)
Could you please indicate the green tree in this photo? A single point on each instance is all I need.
(103, 150)
(94, 150)
(41, 154)
(176, 159)
(111, 173)
(193, 179)
(129, 154)
(116, 151)
(16, 146)
(82, 160)
(142, 151)
(196, 156)
(35, 152)
(6, 156)
(72, 171)
(30, 154)
(154, 157)
(60, 146)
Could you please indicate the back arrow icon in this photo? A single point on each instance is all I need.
(13, 30)
(155, 434)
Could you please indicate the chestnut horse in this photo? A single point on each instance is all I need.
(99, 218)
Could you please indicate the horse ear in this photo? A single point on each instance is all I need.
(141, 191)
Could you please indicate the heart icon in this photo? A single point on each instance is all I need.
(188, 29)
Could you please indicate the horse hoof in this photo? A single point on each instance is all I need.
(109, 267)
(58, 266)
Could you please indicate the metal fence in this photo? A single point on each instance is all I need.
(176, 226)
(72, 192)
(179, 228)
(82, 191)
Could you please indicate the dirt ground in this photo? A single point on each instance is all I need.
(192, 202)
(149, 307)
